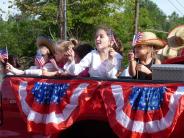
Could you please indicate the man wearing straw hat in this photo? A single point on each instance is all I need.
(140, 61)
(175, 44)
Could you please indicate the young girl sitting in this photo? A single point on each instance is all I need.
(103, 62)
(80, 52)
(141, 59)
(61, 47)
(45, 52)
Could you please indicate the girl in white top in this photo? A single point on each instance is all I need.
(103, 62)
(46, 50)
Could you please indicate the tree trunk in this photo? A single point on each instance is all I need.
(136, 19)
(61, 19)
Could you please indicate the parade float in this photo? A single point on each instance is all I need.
(33, 106)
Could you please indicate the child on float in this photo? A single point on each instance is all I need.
(61, 47)
(46, 51)
(175, 47)
(103, 62)
(142, 57)
(80, 52)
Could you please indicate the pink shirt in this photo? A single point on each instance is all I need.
(84, 73)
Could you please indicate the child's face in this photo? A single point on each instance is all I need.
(102, 40)
(142, 50)
(44, 51)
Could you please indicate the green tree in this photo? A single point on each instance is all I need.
(40, 17)
(174, 20)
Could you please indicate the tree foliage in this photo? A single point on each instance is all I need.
(40, 17)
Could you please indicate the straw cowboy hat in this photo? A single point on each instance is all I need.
(149, 38)
(167, 52)
(176, 37)
(175, 42)
(47, 42)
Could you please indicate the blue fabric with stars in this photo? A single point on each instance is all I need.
(47, 93)
(146, 98)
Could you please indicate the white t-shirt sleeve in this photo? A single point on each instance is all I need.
(75, 69)
(113, 67)
(35, 72)
(125, 73)
(49, 67)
